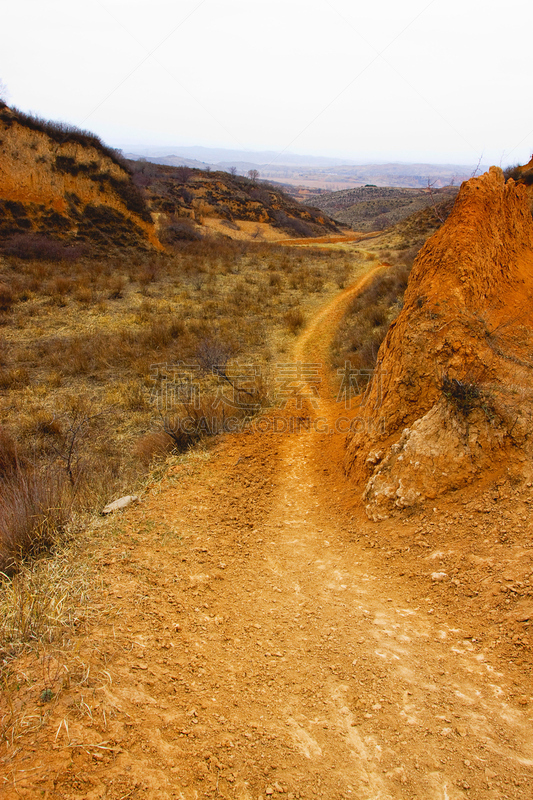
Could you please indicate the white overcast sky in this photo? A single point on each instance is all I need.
(407, 80)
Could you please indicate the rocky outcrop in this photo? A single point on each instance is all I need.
(454, 395)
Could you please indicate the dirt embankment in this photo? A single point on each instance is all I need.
(452, 400)
(60, 181)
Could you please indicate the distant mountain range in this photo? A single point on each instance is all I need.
(219, 155)
(313, 172)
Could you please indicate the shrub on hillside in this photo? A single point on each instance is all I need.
(37, 247)
(294, 319)
(513, 172)
(7, 298)
(292, 225)
(180, 230)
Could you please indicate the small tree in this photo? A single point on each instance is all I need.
(233, 171)
(183, 174)
(253, 174)
(4, 94)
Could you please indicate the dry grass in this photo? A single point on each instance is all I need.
(47, 599)
(41, 608)
(365, 325)
(81, 340)
(34, 508)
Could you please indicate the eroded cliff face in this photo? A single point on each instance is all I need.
(66, 188)
(454, 398)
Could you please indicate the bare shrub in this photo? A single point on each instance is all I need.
(201, 210)
(183, 174)
(7, 297)
(294, 319)
(514, 171)
(30, 246)
(9, 458)
(464, 395)
(342, 273)
(213, 355)
(148, 274)
(61, 285)
(153, 446)
(180, 230)
(117, 285)
(33, 513)
(84, 295)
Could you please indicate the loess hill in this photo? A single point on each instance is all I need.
(453, 403)
(65, 184)
(189, 203)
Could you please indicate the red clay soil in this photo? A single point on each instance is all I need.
(468, 317)
(257, 636)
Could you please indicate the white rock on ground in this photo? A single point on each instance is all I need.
(121, 503)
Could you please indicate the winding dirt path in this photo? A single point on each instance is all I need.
(250, 646)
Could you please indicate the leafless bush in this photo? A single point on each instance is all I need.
(153, 446)
(33, 507)
(28, 246)
(180, 230)
(213, 355)
(116, 287)
(183, 174)
(294, 319)
(7, 297)
(513, 171)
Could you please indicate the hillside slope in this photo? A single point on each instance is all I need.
(231, 205)
(453, 399)
(65, 183)
(371, 208)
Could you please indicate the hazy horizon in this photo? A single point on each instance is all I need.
(417, 82)
(168, 150)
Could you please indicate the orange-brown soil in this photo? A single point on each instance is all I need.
(258, 636)
(71, 188)
(353, 236)
(467, 317)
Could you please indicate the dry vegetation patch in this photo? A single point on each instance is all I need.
(369, 316)
(90, 348)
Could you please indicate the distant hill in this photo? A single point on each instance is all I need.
(170, 161)
(219, 155)
(190, 203)
(313, 172)
(372, 208)
(62, 188)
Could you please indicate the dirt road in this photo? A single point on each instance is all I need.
(250, 644)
